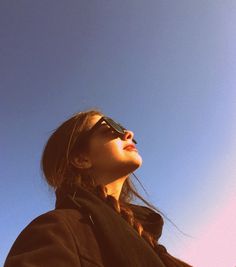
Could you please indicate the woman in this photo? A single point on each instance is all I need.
(88, 160)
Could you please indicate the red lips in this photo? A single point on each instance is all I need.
(130, 146)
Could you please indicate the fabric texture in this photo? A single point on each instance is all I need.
(58, 238)
(126, 247)
(84, 231)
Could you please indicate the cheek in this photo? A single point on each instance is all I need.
(110, 156)
(104, 153)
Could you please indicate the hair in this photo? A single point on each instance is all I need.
(63, 145)
(58, 170)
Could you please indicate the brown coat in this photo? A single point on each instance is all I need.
(58, 238)
(65, 237)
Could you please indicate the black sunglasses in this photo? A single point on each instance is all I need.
(118, 128)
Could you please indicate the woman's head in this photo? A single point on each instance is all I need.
(73, 155)
(86, 147)
(106, 156)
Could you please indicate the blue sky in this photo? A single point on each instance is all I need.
(164, 69)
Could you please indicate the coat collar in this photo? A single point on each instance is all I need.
(150, 219)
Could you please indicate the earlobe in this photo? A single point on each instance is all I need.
(81, 162)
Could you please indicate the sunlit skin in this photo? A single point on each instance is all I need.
(107, 161)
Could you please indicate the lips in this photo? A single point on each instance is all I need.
(130, 147)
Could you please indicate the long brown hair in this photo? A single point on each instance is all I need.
(60, 148)
(58, 170)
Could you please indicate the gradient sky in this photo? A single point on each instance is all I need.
(164, 69)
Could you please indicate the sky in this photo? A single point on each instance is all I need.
(164, 69)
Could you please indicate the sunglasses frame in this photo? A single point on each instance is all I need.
(118, 128)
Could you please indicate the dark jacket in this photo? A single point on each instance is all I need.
(64, 237)
(59, 238)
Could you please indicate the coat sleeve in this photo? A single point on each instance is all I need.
(46, 241)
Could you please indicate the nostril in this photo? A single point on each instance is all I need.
(128, 134)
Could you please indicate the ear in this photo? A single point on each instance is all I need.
(81, 162)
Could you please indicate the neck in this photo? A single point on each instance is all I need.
(114, 187)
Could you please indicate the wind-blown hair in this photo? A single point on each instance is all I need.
(58, 170)
(61, 147)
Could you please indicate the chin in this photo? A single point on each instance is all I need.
(139, 160)
(136, 163)
(127, 167)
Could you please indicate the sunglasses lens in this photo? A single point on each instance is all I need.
(117, 127)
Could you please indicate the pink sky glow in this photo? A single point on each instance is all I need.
(216, 244)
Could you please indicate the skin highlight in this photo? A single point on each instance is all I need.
(106, 159)
(98, 164)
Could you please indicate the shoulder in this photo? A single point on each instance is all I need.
(53, 226)
(61, 224)
(60, 216)
(56, 219)
(66, 232)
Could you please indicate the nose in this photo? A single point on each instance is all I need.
(129, 135)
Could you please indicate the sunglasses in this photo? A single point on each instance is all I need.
(116, 127)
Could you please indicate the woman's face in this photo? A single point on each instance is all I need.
(107, 152)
